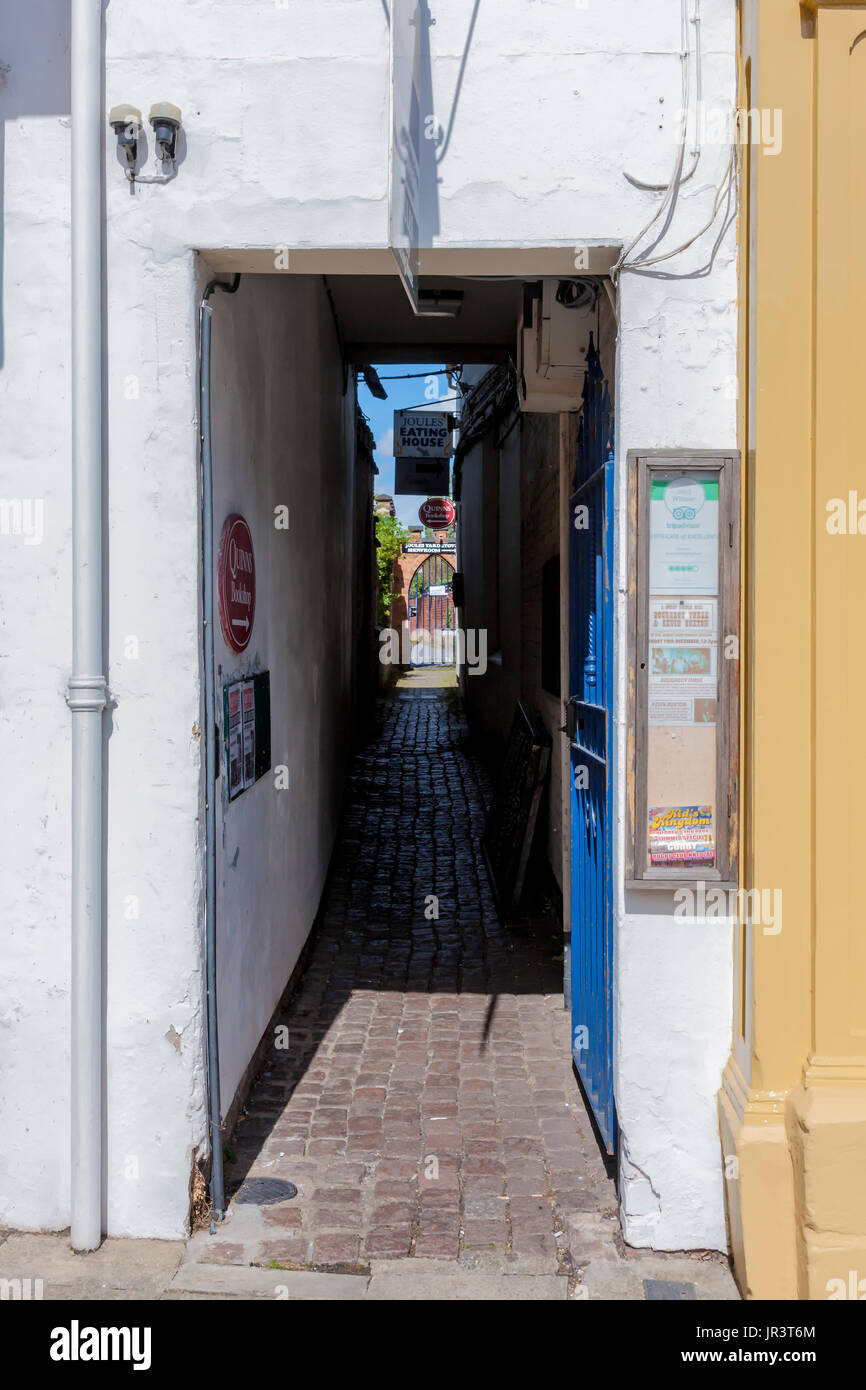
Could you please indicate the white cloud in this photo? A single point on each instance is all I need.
(386, 444)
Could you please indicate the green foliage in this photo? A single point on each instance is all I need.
(391, 535)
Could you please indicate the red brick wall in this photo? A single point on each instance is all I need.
(404, 568)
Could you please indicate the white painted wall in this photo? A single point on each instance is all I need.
(283, 435)
(673, 995)
(35, 642)
(286, 136)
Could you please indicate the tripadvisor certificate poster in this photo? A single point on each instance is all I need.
(684, 535)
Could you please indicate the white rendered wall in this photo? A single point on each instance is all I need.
(286, 136)
(283, 436)
(35, 638)
(673, 995)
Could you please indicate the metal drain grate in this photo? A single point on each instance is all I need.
(264, 1192)
(668, 1290)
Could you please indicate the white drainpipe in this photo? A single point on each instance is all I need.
(87, 687)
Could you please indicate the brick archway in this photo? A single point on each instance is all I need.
(405, 569)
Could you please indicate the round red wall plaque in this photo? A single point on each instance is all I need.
(437, 513)
(236, 570)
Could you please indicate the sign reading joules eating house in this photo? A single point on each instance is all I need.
(236, 571)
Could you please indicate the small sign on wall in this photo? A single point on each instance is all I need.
(247, 727)
(236, 578)
(430, 548)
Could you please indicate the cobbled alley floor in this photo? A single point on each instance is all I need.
(423, 1102)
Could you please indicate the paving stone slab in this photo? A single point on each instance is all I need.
(623, 1279)
(458, 1286)
(120, 1268)
(277, 1285)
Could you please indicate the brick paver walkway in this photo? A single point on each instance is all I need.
(426, 1106)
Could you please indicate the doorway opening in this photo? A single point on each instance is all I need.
(375, 1010)
(432, 634)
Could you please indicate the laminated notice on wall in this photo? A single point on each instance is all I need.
(681, 835)
(234, 740)
(683, 646)
(247, 731)
(248, 704)
(684, 535)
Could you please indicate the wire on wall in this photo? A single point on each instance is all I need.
(728, 182)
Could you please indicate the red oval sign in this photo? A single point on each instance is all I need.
(437, 512)
(236, 569)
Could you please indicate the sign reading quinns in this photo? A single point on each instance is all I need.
(236, 571)
(436, 512)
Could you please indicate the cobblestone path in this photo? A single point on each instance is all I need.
(425, 1106)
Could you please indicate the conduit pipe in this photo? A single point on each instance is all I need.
(86, 691)
(210, 744)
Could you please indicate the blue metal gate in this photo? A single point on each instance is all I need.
(590, 714)
(431, 613)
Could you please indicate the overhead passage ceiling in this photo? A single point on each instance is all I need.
(377, 323)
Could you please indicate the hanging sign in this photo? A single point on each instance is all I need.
(423, 433)
(419, 477)
(437, 513)
(407, 142)
(236, 573)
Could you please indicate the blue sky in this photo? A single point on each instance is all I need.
(402, 395)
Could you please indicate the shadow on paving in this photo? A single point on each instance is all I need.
(425, 1103)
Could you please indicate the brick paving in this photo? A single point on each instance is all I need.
(425, 1106)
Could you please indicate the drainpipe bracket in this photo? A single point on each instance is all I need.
(87, 693)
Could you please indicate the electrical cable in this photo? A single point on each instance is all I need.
(724, 187)
(408, 376)
(622, 261)
(577, 293)
(696, 151)
(431, 405)
(728, 180)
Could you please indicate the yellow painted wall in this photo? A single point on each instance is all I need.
(793, 1104)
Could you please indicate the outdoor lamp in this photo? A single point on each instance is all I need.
(373, 384)
(125, 121)
(165, 120)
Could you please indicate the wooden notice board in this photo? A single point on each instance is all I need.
(683, 673)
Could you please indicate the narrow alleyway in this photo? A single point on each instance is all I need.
(424, 1105)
